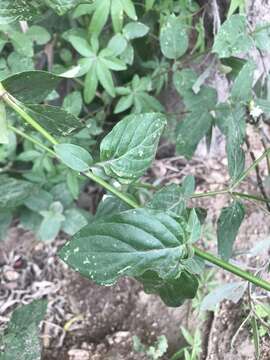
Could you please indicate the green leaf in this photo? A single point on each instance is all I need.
(236, 131)
(74, 221)
(117, 44)
(173, 38)
(242, 87)
(54, 119)
(22, 44)
(105, 77)
(232, 38)
(127, 244)
(17, 10)
(73, 184)
(129, 149)
(110, 205)
(117, 15)
(191, 130)
(233, 291)
(31, 86)
(62, 6)
(234, 5)
(90, 85)
(4, 139)
(229, 223)
(170, 199)
(134, 30)
(81, 45)
(38, 34)
(74, 156)
(149, 4)
(39, 201)
(73, 103)
(21, 339)
(129, 9)
(100, 16)
(14, 192)
(172, 292)
(52, 222)
(5, 221)
(261, 36)
(124, 103)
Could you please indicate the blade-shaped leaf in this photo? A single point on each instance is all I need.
(172, 292)
(21, 339)
(100, 16)
(236, 130)
(173, 38)
(191, 130)
(74, 156)
(3, 124)
(127, 244)
(232, 291)
(129, 149)
(242, 87)
(229, 223)
(54, 119)
(31, 86)
(14, 192)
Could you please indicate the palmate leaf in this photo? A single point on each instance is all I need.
(172, 292)
(129, 149)
(21, 339)
(127, 244)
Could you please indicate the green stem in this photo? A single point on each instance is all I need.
(250, 168)
(232, 269)
(124, 197)
(15, 105)
(250, 197)
(111, 189)
(32, 139)
(210, 193)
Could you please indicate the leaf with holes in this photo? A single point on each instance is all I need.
(129, 149)
(127, 244)
(232, 37)
(173, 38)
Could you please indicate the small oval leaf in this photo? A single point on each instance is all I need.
(74, 156)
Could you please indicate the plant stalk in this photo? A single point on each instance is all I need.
(124, 197)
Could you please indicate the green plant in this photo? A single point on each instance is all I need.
(21, 338)
(54, 156)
